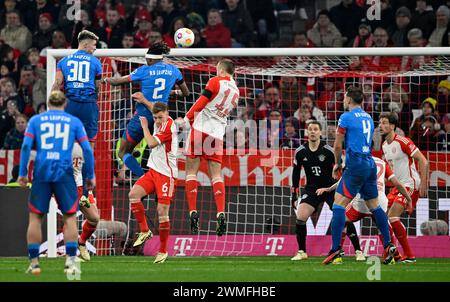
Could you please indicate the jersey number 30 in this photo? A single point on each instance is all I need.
(50, 130)
(79, 71)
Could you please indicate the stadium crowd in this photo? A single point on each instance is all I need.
(29, 28)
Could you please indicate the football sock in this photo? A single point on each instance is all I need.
(33, 250)
(219, 194)
(191, 192)
(353, 236)
(132, 164)
(382, 223)
(300, 230)
(337, 225)
(71, 248)
(402, 237)
(139, 213)
(88, 230)
(164, 228)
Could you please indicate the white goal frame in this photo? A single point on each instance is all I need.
(54, 54)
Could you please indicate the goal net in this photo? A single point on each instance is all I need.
(280, 90)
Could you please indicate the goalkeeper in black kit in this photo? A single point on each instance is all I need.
(317, 160)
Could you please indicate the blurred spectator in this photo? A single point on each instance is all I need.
(415, 39)
(301, 40)
(34, 59)
(444, 134)
(84, 23)
(69, 19)
(158, 23)
(439, 36)
(215, 33)
(176, 24)
(331, 134)
(381, 38)
(443, 97)
(324, 33)
(128, 40)
(347, 17)
(395, 99)
(7, 117)
(418, 127)
(142, 36)
(45, 7)
(424, 17)
(387, 16)
(195, 20)
(154, 37)
(291, 138)
(14, 137)
(41, 108)
(32, 89)
(10, 5)
(7, 71)
(264, 21)
(199, 41)
(427, 135)
(398, 33)
(43, 36)
(14, 33)
(327, 93)
(371, 99)
(304, 116)
(275, 129)
(316, 113)
(169, 13)
(114, 30)
(364, 37)
(238, 20)
(8, 92)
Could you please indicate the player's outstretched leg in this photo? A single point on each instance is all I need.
(89, 209)
(135, 195)
(399, 230)
(164, 230)
(34, 237)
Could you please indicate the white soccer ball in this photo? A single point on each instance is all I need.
(184, 37)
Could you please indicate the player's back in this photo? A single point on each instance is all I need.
(225, 96)
(54, 132)
(80, 70)
(157, 81)
(359, 128)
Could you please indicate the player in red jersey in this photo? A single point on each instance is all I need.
(160, 178)
(87, 204)
(208, 119)
(401, 153)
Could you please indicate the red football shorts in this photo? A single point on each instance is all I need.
(354, 215)
(162, 185)
(205, 146)
(395, 196)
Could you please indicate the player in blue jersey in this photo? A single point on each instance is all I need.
(53, 133)
(157, 79)
(355, 129)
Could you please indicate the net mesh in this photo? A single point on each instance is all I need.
(258, 178)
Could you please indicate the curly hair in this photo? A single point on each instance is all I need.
(159, 48)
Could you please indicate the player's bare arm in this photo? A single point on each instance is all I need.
(151, 140)
(329, 189)
(183, 91)
(423, 171)
(117, 81)
(59, 81)
(337, 154)
(401, 188)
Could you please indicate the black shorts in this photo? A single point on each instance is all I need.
(310, 197)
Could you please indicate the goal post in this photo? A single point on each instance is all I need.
(258, 180)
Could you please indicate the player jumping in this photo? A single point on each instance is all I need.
(360, 176)
(54, 133)
(357, 209)
(87, 204)
(80, 73)
(317, 159)
(400, 153)
(159, 179)
(157, 79)
(208, 117)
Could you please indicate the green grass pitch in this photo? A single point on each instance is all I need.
(193, 269)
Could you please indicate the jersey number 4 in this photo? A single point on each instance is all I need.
(367, 130)
(79, 71)
(55, 131)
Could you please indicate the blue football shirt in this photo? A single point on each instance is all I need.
(80, 71)
(157, 81)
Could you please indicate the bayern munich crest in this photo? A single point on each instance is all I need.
(321, 157)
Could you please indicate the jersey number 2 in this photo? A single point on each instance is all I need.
(160, 86)
(49, 130)
(79, 71)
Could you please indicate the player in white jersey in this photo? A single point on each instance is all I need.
(208, 119)
(357, 209)
(160, 178)
(87, 204)
(401, 154)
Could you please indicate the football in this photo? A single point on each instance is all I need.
(184, 37)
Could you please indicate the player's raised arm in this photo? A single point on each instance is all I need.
(118, 81)
(423, 171)
(27, 144)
